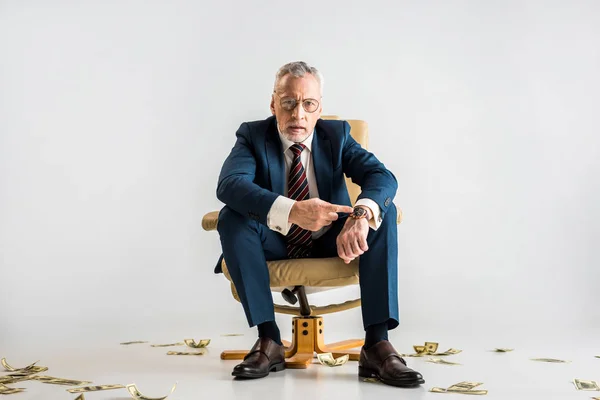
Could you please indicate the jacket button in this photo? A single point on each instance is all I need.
(387, 202)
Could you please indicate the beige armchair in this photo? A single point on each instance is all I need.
(308, 325)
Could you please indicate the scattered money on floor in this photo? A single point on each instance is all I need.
(80, 397)
(196, 345)
(462, 388)
(134, 342)
(549, 360)
(502, 350)
(168, 344)
(185, 353)
(436, 360)
(580, 384)
(94, 388)
(135, 393)
(327, 359)
(232, 334)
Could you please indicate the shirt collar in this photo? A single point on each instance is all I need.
(286, 143)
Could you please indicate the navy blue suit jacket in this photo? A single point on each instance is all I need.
(253, 175)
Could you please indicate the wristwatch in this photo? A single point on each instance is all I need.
(359, 213)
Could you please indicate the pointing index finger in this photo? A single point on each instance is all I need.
(342, 209)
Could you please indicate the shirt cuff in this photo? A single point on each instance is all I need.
(277, 218)
(374, 222)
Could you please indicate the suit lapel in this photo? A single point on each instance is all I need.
(275, 159)
(323, 164)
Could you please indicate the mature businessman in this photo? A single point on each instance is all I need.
(285, 197)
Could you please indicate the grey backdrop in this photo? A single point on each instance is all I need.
(115, 118)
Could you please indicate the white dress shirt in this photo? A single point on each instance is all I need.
(277, 218)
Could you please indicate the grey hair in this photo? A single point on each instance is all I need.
(298, 69)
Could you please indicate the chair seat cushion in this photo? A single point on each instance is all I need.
(315, 272)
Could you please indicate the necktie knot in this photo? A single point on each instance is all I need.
(297, 149)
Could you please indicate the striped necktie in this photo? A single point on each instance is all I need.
(299, 241)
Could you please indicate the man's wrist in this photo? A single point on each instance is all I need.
(368, 210)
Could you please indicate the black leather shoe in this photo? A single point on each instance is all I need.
(381, 361)
(264, 357)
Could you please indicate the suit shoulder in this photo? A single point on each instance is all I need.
(333, 129)
(260, 125)
(256, 131)
(334, 124)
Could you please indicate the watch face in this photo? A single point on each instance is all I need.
(359, 212)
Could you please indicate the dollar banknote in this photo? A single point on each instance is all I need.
(30, 371)
(185, 353)
(580, 384)
(167, 345)
(95, 388)
(7, 390)
(8, 367)
(196, 345)
(429, 349)
(462, 388)
(436, 360)
(80, 397)
(448, 352)
(6, 380)
(465, 385)
(549, 360)
(232, 334)
(502, 350)
(330, 361)
(472, 392)
(419, 349)
(134, 342)
(135, 393)
(437, 390)
(59, 381)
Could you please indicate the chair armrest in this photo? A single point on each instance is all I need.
(209, 221)
(399, 216)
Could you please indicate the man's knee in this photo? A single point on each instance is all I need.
(232, 221)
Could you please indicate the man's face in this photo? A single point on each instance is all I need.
(288, 104)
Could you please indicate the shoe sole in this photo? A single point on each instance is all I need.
(274, 368)
(369, 373)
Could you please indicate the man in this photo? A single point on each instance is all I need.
(285, 197)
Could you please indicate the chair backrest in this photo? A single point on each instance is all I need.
(359, 130)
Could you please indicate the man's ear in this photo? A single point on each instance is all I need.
(272, 106)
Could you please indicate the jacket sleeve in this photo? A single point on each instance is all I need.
(236, 187)
(375, 180)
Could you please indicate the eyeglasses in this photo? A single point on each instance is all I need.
(290, 104)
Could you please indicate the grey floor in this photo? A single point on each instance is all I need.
(506, 376)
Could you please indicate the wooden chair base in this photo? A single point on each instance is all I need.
(307, 339)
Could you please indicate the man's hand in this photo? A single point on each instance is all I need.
(315, 213)
(352, 240)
